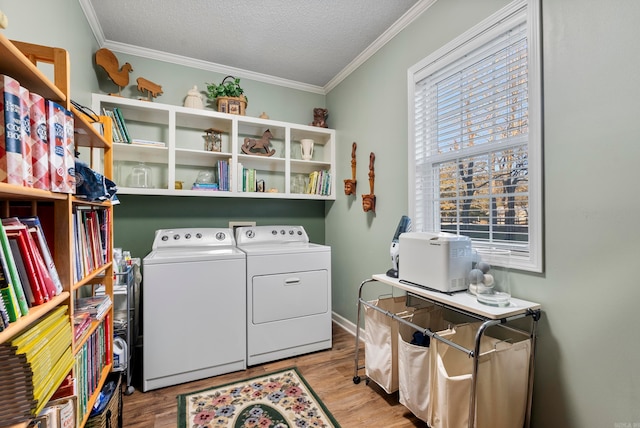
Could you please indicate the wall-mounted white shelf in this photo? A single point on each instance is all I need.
(183, 155)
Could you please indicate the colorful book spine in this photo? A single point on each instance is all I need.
(25, 137)
(55, 134)
(13, 272)
(69, 153)
(35, 228)
(10, 131)
(40, 144)
(123, 125)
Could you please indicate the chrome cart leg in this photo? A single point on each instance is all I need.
(535, 316)
(474, 373)
(356, 377)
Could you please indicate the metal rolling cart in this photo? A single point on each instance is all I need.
(124, 320)
(465, 304)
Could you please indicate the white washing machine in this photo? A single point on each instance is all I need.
(288, 292)
(194, 306)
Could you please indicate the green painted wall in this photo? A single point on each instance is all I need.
(587, 372)
(136, 221)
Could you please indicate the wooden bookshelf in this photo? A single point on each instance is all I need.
(20, 61)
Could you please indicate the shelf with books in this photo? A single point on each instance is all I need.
(20, 62)
(183, 156)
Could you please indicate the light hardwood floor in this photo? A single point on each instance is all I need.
(330, 374)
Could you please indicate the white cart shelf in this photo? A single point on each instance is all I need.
(466, 304)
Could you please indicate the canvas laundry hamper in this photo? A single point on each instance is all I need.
(501, 384)
(381, 341)
(413, 361)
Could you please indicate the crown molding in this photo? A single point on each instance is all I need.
(402, 22)
(397, 27)
(92, 19)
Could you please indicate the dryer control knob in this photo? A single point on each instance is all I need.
(187, 236)
(282, 231)
(220, 236)
(176, 237)
(274, 232)
(198, 235)
(165, 238)
(299, 232)
(250, 233)
(291, 232)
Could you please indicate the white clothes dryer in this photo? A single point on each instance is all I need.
(193, 306)
(288, 292)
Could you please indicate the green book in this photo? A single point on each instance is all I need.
(12, 276)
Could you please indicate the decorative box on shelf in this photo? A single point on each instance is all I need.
(233, 105)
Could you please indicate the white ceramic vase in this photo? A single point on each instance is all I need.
(306, 148)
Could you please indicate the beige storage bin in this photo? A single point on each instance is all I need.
(381, 341)
(413, 361)
(501, 384)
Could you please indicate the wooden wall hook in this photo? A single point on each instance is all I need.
(350, 183)
(369, 201)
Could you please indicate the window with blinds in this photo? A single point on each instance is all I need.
(472, 171)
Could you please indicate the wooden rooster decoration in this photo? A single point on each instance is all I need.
(109, 63)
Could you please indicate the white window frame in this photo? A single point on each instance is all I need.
(514, 13)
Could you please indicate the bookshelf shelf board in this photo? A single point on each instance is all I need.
(35, 313)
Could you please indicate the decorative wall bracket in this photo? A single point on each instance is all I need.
(369, 201)
(350, 183)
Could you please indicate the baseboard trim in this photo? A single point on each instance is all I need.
(347, 325)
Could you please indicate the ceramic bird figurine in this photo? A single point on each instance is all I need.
(109, 63)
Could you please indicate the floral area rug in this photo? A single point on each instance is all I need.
(278, 400)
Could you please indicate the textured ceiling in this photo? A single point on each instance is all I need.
(304, 41)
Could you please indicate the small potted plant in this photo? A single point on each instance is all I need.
(229, 96)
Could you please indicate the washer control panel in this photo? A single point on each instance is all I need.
(193, 237)
(270, 234)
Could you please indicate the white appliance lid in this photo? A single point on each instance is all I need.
(193, 254)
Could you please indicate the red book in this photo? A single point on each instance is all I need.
(10, 131)
(55, 135)
(40, 294)
(25, 137)
(32, 257)
(40, 145)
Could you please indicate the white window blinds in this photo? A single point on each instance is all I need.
(471, 138)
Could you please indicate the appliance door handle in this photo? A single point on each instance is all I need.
(292, 281)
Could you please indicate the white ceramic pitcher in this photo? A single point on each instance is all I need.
(306, 148)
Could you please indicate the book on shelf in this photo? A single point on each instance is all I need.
(56, 127)
(25, 137)
(123, 124)
(10, 131)
(35, 229)
(13, 277)
(152, 143)
(4, 313)
(40, 145)
(69, 152)
(81, 323)
(36, 268)
(95, 306)
(8, 295)
(33, 298)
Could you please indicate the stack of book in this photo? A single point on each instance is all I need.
(33, 365)
(95, 306)
(90, 360)
(119, 126)
(28, 275)
(36, 140)
(92, 227)
(319, 183)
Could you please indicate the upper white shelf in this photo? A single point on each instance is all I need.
(183, 156)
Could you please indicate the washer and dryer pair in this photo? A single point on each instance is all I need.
(210, 306)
